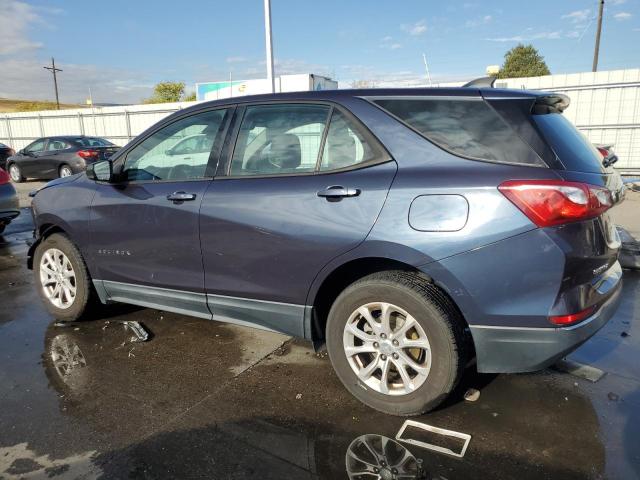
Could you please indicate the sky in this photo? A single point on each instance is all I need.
(120, 49)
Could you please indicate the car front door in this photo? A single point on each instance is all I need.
(30, 161)
(145, 229)
(305, 183)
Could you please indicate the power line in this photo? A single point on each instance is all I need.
(53, 70)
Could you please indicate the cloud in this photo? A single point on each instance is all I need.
(555, 35)
(236, 59)
(415, 29)
(578, 16)
(622, 16)
(479, 21)
(617, 2)
(18, 18)
(388, 43)
(107, 84)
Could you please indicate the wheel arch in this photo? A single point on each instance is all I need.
(326, 290)
(43, 231)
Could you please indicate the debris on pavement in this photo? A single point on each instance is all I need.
(420, 429)
(141, 335)
(614, 397)
(630, 251)
(472, 395)
(624, 334)
(576, 369)
(299, 396)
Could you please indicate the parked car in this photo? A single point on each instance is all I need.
(9, 208)
(53, 157)
(407, 229)
(5, 152)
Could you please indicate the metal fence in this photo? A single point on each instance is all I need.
(117, 124)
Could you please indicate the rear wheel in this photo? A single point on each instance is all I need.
(65, 171)
(396, 342)
(62, 278)
(15, 173)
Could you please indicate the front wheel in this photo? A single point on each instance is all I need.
(62, 278)
(15, 173)
(396, 342)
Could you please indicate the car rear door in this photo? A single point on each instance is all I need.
(304, 183)
(145, 228)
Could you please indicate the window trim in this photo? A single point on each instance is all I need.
(214, 156)
(372, 100)
(383, 156)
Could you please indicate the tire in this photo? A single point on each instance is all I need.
(65, 171)
(15, 173)
(67, 309)
(439, 360)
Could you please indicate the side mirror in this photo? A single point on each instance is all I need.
(20, 152)
(100, 171)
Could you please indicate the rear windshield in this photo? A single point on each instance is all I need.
(573, 149)
(466, 127)
(92, 142)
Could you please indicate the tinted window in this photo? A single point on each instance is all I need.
(55, 144)
(466, 127)
(36, 146)
(279, 139)
(157, 157)
(345, 146)
(573, 149)
(92, 142)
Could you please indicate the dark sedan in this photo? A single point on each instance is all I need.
(5, 152)
(53, 157)
(8, 201)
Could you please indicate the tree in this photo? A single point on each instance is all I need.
(523, 61)
(165, 92)
(190, 97)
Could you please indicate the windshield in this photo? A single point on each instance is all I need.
(573, 149)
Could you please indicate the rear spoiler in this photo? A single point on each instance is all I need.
(550, 103)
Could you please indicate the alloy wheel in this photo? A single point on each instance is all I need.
(15, 173)
(379, 457)
(58, 279)
(65, 172)
(387, 348)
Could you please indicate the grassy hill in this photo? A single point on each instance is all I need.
(8, 105)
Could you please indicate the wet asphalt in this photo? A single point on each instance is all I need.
(203, 399)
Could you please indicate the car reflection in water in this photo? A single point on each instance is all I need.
(374, 456)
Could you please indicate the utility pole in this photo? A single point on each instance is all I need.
(267, 33)
(598, 31)
(53, 70)
(426, 67)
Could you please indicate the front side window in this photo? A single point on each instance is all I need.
(279, 139)
(345, 146)
(466, 127)
(179, 151)
(36, 146)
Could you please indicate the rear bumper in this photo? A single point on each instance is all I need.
(518, 349)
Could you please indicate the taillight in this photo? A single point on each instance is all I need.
(88, 153)
(603, 151)
(554, 202)
(12, 152)
(4, 177)
(564, 320)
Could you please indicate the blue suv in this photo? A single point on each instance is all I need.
(409, 230)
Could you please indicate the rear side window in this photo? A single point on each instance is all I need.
(345, 145)
(466, 127)
(573, 149)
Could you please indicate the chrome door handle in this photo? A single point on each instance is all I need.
(338, 191)
(181, 197)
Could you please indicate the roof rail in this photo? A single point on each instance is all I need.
(482, 82)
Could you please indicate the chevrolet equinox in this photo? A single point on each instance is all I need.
(410, 230)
